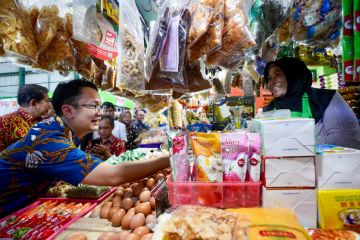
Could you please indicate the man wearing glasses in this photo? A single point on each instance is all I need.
(49, 151)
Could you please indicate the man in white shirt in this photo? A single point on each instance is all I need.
(119, 128)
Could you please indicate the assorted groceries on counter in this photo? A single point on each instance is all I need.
(82, 191)
(43, 219)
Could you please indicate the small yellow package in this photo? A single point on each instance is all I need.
(268, 224)
(339, 209)
(207, 152)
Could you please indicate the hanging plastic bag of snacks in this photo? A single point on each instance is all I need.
(94, 25)
(130, 62)
(211, 40)
(236, 34)
(16, 31)
(166, 55)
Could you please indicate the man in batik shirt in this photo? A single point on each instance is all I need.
(34, 103)
(49, 151)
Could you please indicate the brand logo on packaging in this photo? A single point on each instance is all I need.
(357, 20)
(350, 218)
(254, 162)
(348, 28)
(348, 70)
(241, 162)
(276, 233)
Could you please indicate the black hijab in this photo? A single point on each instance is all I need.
(299, 81)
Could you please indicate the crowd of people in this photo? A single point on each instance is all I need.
(37, 151)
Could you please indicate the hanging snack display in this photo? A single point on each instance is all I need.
(130, 71)
(210, 40)
(16, 31)
(93, 26)
(236, 37)
(267, 16)
(316, 23)
(166, 66)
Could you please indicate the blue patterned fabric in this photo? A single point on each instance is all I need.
(47, 153)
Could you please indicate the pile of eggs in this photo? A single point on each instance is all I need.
(132, 208)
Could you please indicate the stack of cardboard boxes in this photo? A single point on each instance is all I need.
(338, 182)
(288, 166)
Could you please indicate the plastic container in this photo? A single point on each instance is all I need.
(220, 195)
(150, 145)
(6, 226)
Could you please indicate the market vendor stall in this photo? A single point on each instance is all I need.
(211, 162)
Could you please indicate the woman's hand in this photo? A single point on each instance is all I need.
(101, 150)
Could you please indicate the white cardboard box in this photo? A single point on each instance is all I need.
(289, 172)
(302, 201)
(338, 168)
(291, 137)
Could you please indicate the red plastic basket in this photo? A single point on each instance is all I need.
(220, 195)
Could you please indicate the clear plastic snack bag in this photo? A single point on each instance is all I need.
(236, 34)
(211, 40)
(130, 71)
(267, 16)
(16, 31)
(167, 71)
(93, 25)
(202, 13)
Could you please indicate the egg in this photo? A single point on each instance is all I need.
(134, 199)
(147, 236)
(104, 212)
(145, 196)
(159, 175)
(131, 210)
(133, 236)
(96, 212)
(137, 220)
(127, 203)
(144, 208)
(141, 231)
(137, 203)
(150, 183)
(128, 193)
(137, 189)
(109, 236)
(150, 219)
(112, 211)
(116, 202)
(125, 222)
(120, 189)
(119, 193)
(76, 236)
(152, 202)
(107, 204)
(125, 185)
(117, 217)
(123, 235)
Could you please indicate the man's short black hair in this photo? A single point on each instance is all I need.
(29, 92)
(110, 119)
(107, 105)
(69, 93)
(140, 110)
